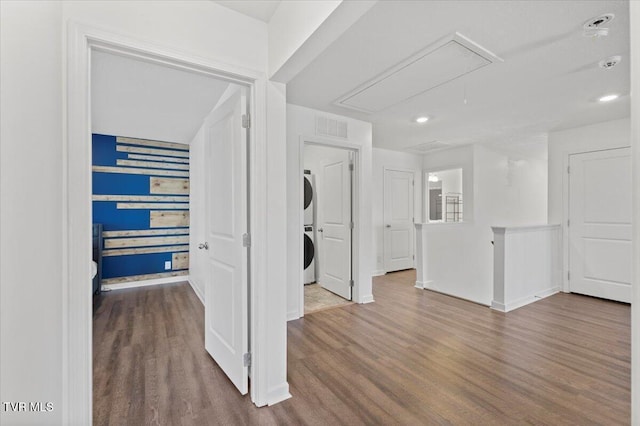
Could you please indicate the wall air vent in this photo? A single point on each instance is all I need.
(439, 63)
(427, 147)
(331, 127)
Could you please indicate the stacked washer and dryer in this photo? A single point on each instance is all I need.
(309, 231)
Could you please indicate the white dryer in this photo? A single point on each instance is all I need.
(309, 197)
(309, 256)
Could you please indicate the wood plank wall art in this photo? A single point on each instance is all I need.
(141, 197)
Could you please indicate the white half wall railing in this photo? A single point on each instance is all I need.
(527, 265)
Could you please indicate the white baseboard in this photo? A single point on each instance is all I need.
(422, 284)
(293, 315)
(278, 394)
(196, 289)
(144, 283)
(523, 301)
(378, 273)
(367, 299)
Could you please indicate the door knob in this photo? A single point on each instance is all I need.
(204, 245)
(388, 226)
(320, 230)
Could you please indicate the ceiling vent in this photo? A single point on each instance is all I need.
(427, 147)
(331, 127)
(437, 64)
(610, 62)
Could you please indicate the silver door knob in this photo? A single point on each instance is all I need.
(203, 246)
(320, 230)
(388, 226)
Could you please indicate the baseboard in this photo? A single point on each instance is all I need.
(422, 284)
(378, 273)
(431, 286)
(145, 283)
(367, 299)
(293, 315)
(278, 394)
(196, 289)
(523, 301)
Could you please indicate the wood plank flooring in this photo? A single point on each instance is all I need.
(412, 357)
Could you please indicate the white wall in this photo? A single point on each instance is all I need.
(300, 126)
(32, 170)
(384, 158)
(31, 198)
(292, 24)
(499, 188)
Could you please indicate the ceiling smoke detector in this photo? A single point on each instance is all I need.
(594, 26)
(610, 62)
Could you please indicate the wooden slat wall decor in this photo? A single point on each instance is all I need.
(168, 219)
(151, 164)
(159, 185)
(134, 171)
(144, 232)
(146, 206)
(180, 261)
(142, 198)
(144, 250)
(157, 158)
(144, 241)
(163, 152)
(146, 142)
(143, 277)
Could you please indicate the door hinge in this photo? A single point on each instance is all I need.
(568, 275)
(568, 222)
(350, 283)
(413, 182)
(246, 121)
(351, 225)
(246, 240)
(568, 169)
(351, 167)
(413, 256)
(246, 358)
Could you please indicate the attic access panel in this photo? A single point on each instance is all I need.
(441, 62)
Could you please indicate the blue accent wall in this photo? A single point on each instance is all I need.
(134, 182)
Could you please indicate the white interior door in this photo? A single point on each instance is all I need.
(398, 220)
(335, 228)
(226, 293)
(600, 224)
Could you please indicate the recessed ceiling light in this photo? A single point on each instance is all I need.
(608, 98)
(422, 120)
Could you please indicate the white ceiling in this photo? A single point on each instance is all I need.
(258, 9)
(549, 78)
(143, 100)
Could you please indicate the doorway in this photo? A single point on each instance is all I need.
(399, 219)
(83, 41)
(600, 224)
(328, 226)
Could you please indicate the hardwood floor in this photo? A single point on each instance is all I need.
(412, 357)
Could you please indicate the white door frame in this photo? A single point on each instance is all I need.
(384, 219)
(76, 227)
(566, 157)
(356, 266)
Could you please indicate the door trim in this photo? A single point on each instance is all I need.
(566, 159)
(384, 219)
(356, 263)
(81, 40)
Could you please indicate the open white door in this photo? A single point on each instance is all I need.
(226, 292)
(336, 226)
(600, 224)
(398, 220)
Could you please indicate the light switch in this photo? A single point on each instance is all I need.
(167, 265)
